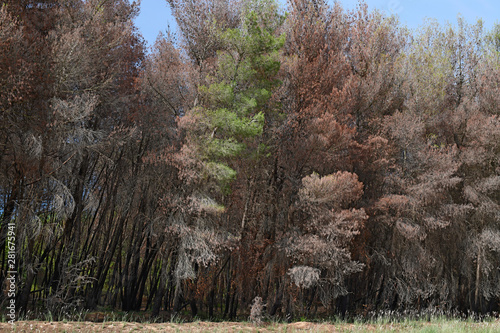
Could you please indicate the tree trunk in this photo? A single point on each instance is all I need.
(478, 277)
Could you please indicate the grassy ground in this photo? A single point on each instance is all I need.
(434, 325)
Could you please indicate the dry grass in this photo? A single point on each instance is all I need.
(409, 326)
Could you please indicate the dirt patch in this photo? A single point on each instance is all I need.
(37, 326)
(117, 326)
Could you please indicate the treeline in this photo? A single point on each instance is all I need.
(322, 159)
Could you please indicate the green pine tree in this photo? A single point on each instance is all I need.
(234, 104)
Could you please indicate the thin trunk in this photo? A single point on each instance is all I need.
(478, 277)
(160, 293)
(177, 295)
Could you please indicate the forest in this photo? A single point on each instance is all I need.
(302, 160)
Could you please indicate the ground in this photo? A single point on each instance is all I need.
(116, 326)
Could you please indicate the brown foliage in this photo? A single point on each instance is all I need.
(373, 185)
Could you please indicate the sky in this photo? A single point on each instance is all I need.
(155, 16)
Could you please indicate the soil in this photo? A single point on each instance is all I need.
(121, 326)
(86, 326)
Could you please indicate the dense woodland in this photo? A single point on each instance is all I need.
(313, 159)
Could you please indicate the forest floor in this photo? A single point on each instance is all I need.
(438, 325)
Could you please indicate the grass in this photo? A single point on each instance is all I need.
(421, 322)
(438, 323)
(380, 324)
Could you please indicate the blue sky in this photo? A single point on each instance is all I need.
(155, 15)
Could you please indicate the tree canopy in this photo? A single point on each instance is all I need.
(306, 159)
